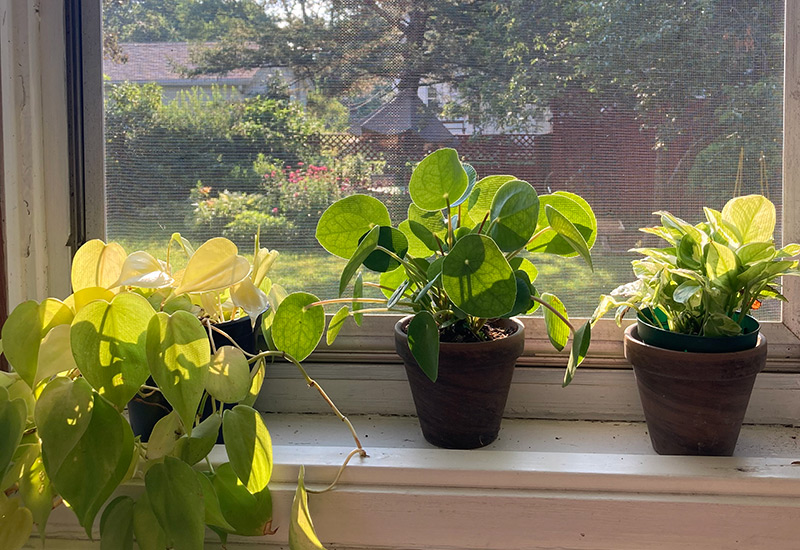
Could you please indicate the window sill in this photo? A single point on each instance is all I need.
(544, 484)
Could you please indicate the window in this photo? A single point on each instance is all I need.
(738, 44)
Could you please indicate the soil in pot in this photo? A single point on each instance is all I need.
(463, 409)
(694, 403)
(145, 410)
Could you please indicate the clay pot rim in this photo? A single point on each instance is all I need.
(683, 364)
(519, 333)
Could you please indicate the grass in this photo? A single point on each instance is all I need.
(317, 272)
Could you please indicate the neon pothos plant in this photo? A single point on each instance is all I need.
(457, 261)
(710, 275)
(76, 364)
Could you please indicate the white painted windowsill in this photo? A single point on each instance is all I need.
(544, 484)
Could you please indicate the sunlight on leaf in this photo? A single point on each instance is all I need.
(97, 264)
(301, 530)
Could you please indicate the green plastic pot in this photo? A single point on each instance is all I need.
(656, 336)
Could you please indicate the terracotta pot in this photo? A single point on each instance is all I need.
(464, 407)
(144, 412)
(694, 403)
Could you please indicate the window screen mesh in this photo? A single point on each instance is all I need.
(224, 116)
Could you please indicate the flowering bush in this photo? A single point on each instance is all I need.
(292, 200)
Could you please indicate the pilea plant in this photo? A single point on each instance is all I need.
(710, 275)
(78, 362)
(457, 261)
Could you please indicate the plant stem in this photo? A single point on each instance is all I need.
(353, 453)
(313, 384)
(228, 337)
(450, 236)
(486, 217)
(535, 236)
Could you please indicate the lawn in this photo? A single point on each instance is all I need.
(317, 272)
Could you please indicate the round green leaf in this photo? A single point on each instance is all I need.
(478, 279)
(116, 525)
(480, 200)
(420, 239)
(344, 222)
(514, 213)
(573, 208)
(249, 446)
(250, 514)
(176, 498)
(557, 329)
(108, 344)
(336, 324)
(392, 280)
(393, 240)
(438, 180)
(179, 354)
(228, 378)
(423, 341)
(297, 330)
(433, 221)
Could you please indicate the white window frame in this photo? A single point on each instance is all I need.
(362, 362)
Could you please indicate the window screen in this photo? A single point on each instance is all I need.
(224, 117)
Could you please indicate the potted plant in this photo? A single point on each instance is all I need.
(77, 364)
(456, 265)
(695, 349)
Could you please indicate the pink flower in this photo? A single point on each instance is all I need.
(275, 210)
(299, 164)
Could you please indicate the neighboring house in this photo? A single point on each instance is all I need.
(161, 62)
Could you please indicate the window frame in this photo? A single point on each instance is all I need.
(358, 349)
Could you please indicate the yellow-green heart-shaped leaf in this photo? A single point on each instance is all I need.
(194, 448)
(178, 353)
(345, 222)
(438, 180)
(97, 264)
(228, 378)
(215, 266)
(116, 525)
(142, 270)
(71, 447)
(249, 514)
(250, 298)
(721, 265)
(13, 413)
(164, 436)
(249, 446)
(16, 524)
(262, 263)
(176, 498)
(85, 296)
(37, 491)
(24, 330)
(478, 278)
(256, 381)
(55, 353)
(214, 516)
(297, 328)
(108, 344)
(148, 532)
(301, 529)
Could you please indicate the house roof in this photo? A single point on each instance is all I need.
(407, 113)
(161, 61)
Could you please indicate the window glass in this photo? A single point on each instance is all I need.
(223, 116)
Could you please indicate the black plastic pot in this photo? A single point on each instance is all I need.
(694, 402)
(145, 411)
(654, 335)
(463, 409)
